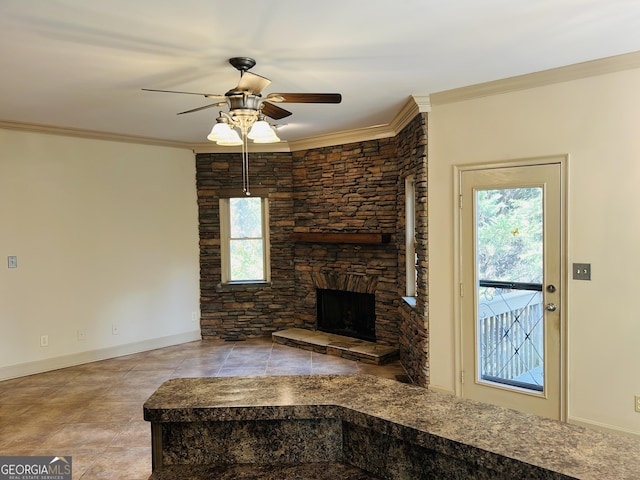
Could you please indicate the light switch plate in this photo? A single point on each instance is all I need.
(582, 271)
(12, 261)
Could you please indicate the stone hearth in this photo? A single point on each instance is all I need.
(332, 344)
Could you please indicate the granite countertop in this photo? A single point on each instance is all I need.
(445, 423)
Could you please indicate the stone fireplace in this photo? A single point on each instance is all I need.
(336, 222)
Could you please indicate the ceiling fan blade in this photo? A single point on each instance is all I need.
(208, 95)
(305, 97)
(252, 83)
(273, 111)
(218, 104)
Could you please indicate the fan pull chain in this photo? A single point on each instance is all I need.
(245, 166)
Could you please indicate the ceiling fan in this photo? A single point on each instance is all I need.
(247, 110)
(247, 94)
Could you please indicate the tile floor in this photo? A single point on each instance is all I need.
(93, 412)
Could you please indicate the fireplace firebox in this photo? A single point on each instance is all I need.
(351, 314)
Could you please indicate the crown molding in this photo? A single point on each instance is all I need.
(340, 138)
(415, 104)
(91, 134)
(602, 66)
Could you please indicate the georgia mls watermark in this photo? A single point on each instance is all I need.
(35, 468)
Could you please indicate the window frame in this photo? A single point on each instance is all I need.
(225, 240)
(411, 290)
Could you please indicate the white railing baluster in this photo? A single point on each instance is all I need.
(499, 314)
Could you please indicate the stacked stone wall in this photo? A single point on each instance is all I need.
(351, 188)
(414, 331)
(241, 311)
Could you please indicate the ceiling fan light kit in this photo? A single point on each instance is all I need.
(248, 109)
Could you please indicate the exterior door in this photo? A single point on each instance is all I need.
(511, 251)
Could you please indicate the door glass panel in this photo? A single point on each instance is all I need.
(509, 264)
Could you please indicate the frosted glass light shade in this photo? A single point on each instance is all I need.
(222, 134)
(259, 129)
(231, 139)
(218, 131)
(261, 132)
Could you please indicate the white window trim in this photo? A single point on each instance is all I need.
(410, 235)
(225, 229)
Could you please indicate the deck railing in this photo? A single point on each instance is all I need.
(511, 333)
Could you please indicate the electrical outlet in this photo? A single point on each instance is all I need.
(80, 335)
(115, 330)
(44, 340)
(637, 403)
(194, 316)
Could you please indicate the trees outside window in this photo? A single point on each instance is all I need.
(510, 229)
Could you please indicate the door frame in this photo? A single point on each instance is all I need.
(563, 161)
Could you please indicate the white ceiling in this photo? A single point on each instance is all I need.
(82, 64)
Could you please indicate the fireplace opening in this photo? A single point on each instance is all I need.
(351, 314)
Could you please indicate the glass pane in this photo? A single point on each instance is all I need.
(245, 217)
(246, 260)
(509, 229)
(509, 262)
(511, 337)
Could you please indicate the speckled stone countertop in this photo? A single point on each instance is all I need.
(478, 433)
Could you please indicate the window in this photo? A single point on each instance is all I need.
(244, 235)
(410, 236)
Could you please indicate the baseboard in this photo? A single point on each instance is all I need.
(603, 427)
(439, 389)
(41, 366)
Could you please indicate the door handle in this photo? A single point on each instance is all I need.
(551, 307)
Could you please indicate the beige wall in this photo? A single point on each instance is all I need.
(596, 121)
(106, 233)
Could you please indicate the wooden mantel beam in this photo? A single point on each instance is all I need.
(357, 238)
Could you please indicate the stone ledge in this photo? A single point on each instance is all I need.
(332, 344)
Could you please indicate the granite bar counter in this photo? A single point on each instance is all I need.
(363, 427)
